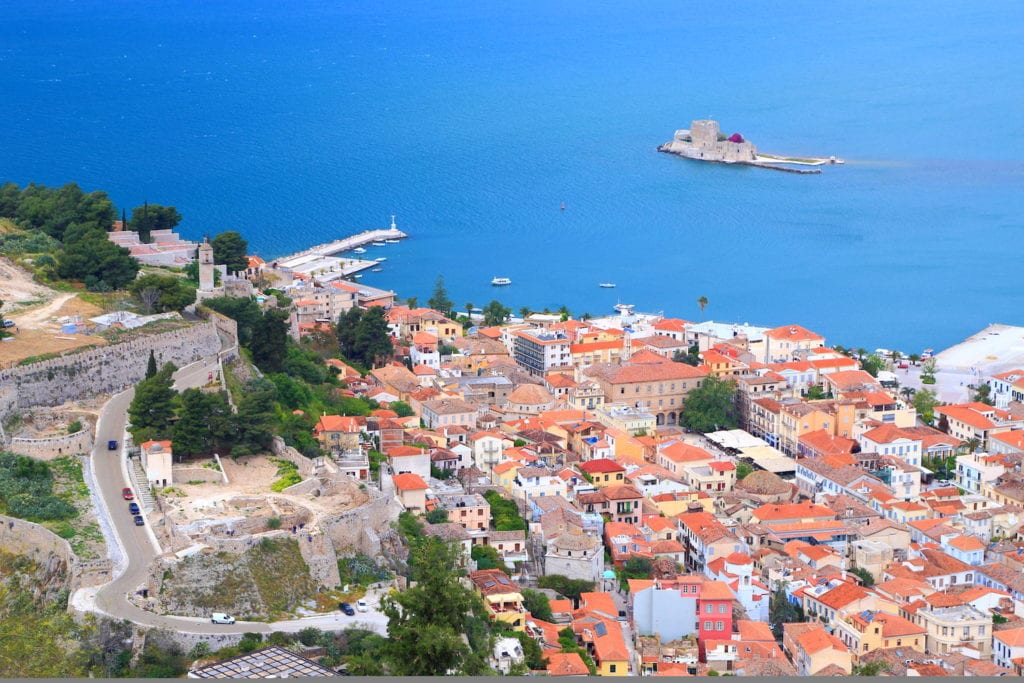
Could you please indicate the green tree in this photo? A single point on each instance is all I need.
(743, 470)
(152, 408)
(636, 568)
(524, 312)
(703, 303)
(570, 588)
(864, 575)
(928, 369)
(204, 422)
(537, 604)
(711, 406)
(161, 293)
(487, 557)
(230, 249)
(496, 314)
(914, 358)
(426, 621)
(872, 365)
(504, 513)
(151, 367)
(88, 256)
(439, 300)
(372, 341)
(436, 516)
(401, 408)
(150, 217)
(255, 420)
(690, 357)
(245, 312)
(983, 394)
(870, 668)
(925, 402)
(269, 341)
(782, 611)
(816, 393)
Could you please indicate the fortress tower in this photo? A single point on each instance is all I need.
(206, 266)
(704, 133)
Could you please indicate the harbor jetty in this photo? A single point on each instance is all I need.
(704, 141)
(323, 262)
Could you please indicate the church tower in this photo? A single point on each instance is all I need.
(206, 266)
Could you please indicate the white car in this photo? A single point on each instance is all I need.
(362, 606)
(221, 618)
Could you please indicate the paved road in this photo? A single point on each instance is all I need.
(139, 546)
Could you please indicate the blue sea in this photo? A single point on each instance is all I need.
(474, 120)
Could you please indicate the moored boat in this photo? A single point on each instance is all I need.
(606, 285)
(359, 250)
(498, 281)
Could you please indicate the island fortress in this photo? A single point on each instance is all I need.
(704, 141)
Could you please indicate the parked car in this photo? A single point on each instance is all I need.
(362, 606)
(9, 323)
(127, 494)
(221, 618)
(346, 608)
(134, 508)
(112, 445)
(139, 521)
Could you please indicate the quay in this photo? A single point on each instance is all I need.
(322, 263)
(349, 243)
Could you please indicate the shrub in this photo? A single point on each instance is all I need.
(274, 523)
(75, 427)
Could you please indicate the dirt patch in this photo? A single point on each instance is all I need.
(29, 343)
(18, 289)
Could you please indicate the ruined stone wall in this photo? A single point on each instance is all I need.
(358, 530)
(282, 450)
(54, 447)
(109, 368)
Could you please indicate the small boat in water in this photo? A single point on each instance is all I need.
(376, 270)
(359, 250)
(499, 281)
(378, 243)
(625, 309)
(607, 285)
(382, 258)
(391, 241)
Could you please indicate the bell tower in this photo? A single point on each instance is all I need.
(206, 265)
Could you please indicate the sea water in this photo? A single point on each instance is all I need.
(474, 121)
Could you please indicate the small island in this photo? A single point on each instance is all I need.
(704, 141)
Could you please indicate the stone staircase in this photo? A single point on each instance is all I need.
(321, 558)
(140, 485)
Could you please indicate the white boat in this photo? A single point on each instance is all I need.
(376, 270)
(498, 281)
(391, 241)
(624, 308)
(356, 276)
(378, 243)
(382, 258)
(359, 250)
(607, 285)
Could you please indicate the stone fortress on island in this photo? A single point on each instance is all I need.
(704, 141)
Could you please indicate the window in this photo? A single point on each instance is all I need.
(719, 626)
(611, 668)
(709, 608)
(708, 625)
(722, 608)
(967, 631)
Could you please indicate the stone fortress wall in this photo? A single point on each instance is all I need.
(701, 142)
(106, 369)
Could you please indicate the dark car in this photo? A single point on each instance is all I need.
(134, 508)
(347, 608)
(112, 445)
(139, 521)
(127, 494)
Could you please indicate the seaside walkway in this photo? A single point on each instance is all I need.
(346, 243)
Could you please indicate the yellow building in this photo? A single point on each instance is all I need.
(868, 631)
(501, 597)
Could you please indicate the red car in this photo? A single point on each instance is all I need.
(127, 494)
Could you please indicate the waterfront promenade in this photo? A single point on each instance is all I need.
(347, 243)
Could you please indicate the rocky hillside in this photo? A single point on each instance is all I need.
(269, 580)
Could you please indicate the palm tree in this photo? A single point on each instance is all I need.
(524, 312)
(586, 316)
(914, 358)
(908, 392)
(703, 303)
(469, 309)
(972, 444)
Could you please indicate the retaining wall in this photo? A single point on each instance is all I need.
(54, 447)
(105, 369)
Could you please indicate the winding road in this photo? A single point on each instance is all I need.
(139, 547)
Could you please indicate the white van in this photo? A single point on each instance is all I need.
(362, 606)
(221, 618)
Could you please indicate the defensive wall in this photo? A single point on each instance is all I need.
(110, 368)
(53, 447)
